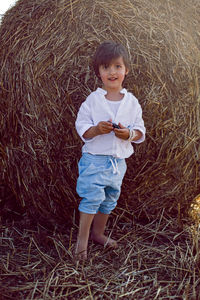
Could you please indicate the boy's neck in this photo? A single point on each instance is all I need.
(114, 95)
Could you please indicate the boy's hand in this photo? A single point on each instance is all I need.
(122, 133)
(104, 127)
(101, 128)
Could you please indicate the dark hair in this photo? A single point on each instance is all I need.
(106, 52)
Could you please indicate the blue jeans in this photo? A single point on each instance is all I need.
(99, 182)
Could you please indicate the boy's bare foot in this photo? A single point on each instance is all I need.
(104, 240)
(80, 251)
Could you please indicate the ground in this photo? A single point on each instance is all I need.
(158, 260)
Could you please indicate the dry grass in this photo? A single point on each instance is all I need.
(45, 52)
(46, 47)
(153, 261)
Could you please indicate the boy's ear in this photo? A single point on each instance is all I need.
(127, 71)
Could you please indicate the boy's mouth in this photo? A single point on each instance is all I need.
(112, 79)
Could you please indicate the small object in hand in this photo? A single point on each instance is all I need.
(115, 125)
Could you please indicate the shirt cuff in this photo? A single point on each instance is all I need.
(142, 130)
(83, 130)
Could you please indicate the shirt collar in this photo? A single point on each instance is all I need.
(104, 92)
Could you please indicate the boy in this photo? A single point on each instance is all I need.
(108, 122)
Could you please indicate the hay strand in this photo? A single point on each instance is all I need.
(45, 54)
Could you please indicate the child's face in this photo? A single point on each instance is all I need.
(113, 75)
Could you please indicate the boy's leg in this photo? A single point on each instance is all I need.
(83, 234)
(99, 225)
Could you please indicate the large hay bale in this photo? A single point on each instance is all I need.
(46, 47)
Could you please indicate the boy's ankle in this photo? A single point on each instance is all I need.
(95, 234)
(81, 249)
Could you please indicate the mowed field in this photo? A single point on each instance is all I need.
(46, 73)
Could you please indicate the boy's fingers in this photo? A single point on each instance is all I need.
(121, 126)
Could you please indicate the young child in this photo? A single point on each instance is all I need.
(108, 122)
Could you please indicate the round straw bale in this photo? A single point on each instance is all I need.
(45, 55)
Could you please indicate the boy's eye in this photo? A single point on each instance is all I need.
(118, 66)
(104, 67)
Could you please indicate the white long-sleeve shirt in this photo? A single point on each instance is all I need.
(95, 109)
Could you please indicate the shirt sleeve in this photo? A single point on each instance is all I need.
(84, 120)
(139, 125)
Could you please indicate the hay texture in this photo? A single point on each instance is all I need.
(155, 261)
(45, 54)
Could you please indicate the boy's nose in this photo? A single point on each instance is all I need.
(112, 70)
